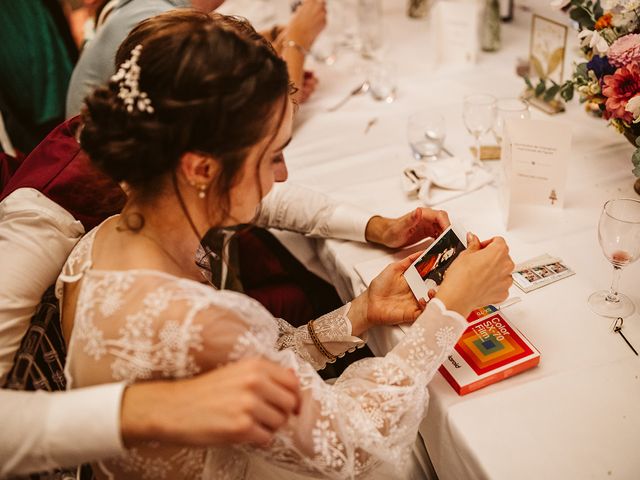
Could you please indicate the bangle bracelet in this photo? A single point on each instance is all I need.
(317, 342)
(297, 46)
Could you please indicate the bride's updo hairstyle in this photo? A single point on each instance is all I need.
(214, 86)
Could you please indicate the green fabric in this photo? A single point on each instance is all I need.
(34, 64)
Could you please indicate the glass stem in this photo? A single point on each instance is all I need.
(612, 296)
(477, 162)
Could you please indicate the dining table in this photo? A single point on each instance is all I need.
(577, 414)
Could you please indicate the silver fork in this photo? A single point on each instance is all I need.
(362, 88)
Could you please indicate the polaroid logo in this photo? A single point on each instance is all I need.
(453, 362)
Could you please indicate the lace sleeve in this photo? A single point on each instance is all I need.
(332, 329)
(370, 414)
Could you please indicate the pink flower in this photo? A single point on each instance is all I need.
(625, 50)
(618, 89)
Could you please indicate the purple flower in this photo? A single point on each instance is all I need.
(600, 66)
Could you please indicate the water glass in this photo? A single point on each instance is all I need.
(382, 81)
(509, 108)
(370, 27)
(479, 115)
(426, 132)
(619, 237)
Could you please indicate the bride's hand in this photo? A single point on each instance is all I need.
(388, 300)
(481, 275)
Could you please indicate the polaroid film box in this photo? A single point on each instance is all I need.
(489, 350)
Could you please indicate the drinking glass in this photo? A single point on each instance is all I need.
(370, 27)
(509, 108)
(382, 81)
(426, 132)
(619, 237)
(479, 115)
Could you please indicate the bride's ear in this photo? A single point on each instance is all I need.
(198, 169)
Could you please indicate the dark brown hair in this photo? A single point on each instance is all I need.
(214, 84)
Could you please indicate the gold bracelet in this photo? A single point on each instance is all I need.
(317, 342)
(297, 46)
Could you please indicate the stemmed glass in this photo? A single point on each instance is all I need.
(509, 108)
(619, 236)
(479, 115)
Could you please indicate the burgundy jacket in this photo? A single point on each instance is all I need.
(59, 169)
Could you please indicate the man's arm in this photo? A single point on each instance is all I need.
(298, 209)
(42, 430)
(246, 401)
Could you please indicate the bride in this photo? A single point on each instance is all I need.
(195, 122)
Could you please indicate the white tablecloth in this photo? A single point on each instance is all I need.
(577, 415)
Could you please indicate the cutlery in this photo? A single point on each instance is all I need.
(370, 124)
(362, 88)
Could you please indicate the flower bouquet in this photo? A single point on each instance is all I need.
(608, 83)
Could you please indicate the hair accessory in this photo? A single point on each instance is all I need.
(127, 77)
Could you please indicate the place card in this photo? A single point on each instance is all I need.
(534, 163)
(456, 32)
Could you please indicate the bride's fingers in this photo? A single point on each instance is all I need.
(407, 261)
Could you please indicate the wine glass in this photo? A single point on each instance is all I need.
(479, 115)
(619, 236)
(426, 132)
(509, 108)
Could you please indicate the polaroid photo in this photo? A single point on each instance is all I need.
(428, 270)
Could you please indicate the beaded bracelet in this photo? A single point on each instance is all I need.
(317, 342)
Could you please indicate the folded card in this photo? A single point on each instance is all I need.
(456, 31)
(535, 156)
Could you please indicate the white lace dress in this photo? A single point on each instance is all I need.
(142, 324)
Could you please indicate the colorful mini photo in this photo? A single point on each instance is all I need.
(529, 275)
(543, 271)
(556, 267)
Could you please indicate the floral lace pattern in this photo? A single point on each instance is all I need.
(141, 324)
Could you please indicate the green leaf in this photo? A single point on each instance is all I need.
(551, 93)
(638, 142)
(540, 88)
(597, 10)
(581, 71)
(583, 17)
(566, 91)
(527, 80)
(636, 161)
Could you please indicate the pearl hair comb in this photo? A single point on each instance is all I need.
(127, 77)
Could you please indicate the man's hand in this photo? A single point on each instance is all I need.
(243, 402)
(407, 229)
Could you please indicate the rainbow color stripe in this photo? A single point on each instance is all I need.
(492, 350)
(481, 312)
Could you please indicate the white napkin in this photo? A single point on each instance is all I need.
(437, 181)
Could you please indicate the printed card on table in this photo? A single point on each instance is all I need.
(456, 32)
(534, 164)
